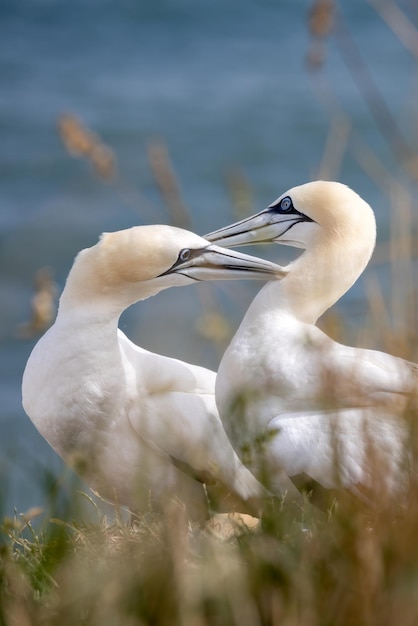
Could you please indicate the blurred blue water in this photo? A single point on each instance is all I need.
(224, 85)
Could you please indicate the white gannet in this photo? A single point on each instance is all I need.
(130, 422)
(292, 399)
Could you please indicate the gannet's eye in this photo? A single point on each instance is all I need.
(184, 255)
(286, 205)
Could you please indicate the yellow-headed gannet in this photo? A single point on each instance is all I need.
(129, 421)
(292, 399)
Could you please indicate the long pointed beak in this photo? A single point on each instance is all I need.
(267, 226)
(215, 263)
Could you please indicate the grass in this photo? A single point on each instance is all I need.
(350, 565)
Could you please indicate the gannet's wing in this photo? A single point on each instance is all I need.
(158, 372)
(350, 448)
(369, 375)
(173, 410)
(343, 376)
(186, 427)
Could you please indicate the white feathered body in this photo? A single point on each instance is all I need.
(132, 423)
(293, 400)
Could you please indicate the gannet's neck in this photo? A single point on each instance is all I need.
(95, 290)
(318, 277)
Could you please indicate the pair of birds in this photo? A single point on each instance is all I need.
(140, 427)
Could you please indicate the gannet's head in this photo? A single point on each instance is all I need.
(315, 212)
(136, 263)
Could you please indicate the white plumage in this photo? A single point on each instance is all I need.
(130, 422)
(291, 399)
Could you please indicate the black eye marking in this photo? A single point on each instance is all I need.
(286, 205)
(184, 255)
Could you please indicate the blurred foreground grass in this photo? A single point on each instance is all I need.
(352, 565)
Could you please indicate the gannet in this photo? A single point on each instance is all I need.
(130, 422)
(291, 399)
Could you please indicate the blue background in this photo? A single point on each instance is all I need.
(227, 87)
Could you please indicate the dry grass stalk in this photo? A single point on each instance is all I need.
(320, 25)
(82, 142)
(43, 305)
(335, 148)
(168, 185)
(404, 29)
(240, 193)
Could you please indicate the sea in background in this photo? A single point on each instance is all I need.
(227, 89)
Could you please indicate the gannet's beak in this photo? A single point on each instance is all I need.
(267, 226)
(215, 263)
